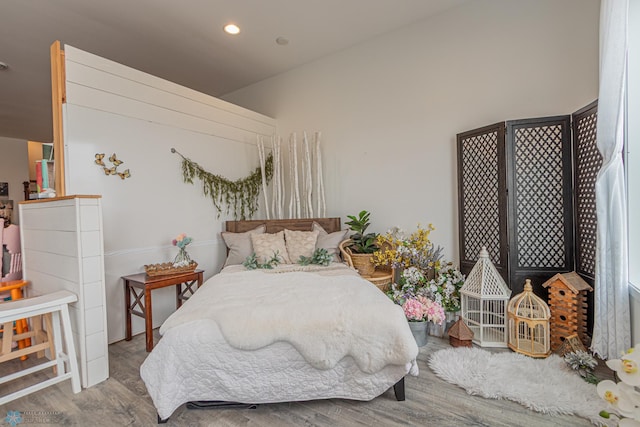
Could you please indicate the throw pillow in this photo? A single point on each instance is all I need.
(330, 241)
(266, 245)
(300, 243)
(239, 245)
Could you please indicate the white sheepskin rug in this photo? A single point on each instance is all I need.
(544, 385)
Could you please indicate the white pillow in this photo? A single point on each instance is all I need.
(239, 245)
(266, 245)
(330, 241)
(300, 243)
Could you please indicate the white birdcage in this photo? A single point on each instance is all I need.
(529, 324)
(484, 298)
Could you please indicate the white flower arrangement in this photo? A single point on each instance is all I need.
(623, 398)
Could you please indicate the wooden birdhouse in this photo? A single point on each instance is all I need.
(484, 297)
(460, 335)
(568, 304)
(571, 344)
(529, 323)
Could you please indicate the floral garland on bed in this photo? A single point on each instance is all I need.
(241, 194)
(320, 257)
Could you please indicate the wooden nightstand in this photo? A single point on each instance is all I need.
(144, 285)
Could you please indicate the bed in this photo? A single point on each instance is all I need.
(290, 333)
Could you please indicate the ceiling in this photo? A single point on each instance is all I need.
(181, 41)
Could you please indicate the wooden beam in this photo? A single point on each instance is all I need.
(58, 97)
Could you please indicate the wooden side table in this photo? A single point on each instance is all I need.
(140, 286)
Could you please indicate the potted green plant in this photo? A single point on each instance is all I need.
(363, 244)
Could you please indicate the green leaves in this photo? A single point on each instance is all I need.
(251, 263)
(320, 257)
(362, 243)
(241, 195)
(359, 224)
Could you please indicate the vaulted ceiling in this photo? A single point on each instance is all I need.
(181, 41)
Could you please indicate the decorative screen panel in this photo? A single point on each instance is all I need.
(482, 196)
(587, 163)
(539, 178)
(539, 204)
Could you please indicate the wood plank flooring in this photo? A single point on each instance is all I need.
(122, 400)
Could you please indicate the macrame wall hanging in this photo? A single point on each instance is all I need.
(240, 195)
(305, 180)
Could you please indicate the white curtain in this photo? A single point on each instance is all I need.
(611, 333)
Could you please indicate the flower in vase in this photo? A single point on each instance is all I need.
(182, 259)
(400, 251)
(414, 310)
(181, 241)
(445, 287)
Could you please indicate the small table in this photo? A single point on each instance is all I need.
(140, 286)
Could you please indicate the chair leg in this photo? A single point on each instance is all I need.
(39, 335)
(23, 343)
(21, 324)
(71, 350)
(48, 324)
(7, 338)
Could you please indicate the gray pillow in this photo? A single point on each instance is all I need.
(330, 241)
(239, 245)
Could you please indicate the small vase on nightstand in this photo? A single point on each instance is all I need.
(182, 258)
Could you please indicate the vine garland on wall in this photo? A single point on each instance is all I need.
(241, 195)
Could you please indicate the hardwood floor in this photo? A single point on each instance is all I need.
(122, 400)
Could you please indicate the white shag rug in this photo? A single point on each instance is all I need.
(543, 385)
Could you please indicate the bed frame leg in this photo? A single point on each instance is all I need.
(161, 421)
(398, 389)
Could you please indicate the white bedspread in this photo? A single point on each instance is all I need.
(271, 357)
(326, 318)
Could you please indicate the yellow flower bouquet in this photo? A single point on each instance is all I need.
(416, 250)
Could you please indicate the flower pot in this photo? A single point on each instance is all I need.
(419, 331)
(363, 263)
(451, 317)
(436, 330)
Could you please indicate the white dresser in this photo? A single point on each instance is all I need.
(62, 248)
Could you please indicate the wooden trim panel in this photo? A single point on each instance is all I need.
(330, 225)
(58, 97)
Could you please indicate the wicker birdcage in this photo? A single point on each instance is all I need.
(568, 304)
(529, 324)
(484, 298)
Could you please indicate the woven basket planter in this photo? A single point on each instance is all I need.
(363, 263)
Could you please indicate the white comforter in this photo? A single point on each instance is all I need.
(256, 336)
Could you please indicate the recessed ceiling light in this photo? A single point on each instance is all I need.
(231, 29)
(3, 66)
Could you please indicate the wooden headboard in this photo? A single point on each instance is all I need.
(274, 225)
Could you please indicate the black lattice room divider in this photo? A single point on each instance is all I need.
(482, 188)
(540, 204)
(527, 192)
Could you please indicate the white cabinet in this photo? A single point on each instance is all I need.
(62, 248)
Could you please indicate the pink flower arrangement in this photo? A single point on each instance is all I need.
(420, 308)
(181, 241)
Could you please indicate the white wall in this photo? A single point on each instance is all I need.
(114, 109)
(390, 108)
(14, 169)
